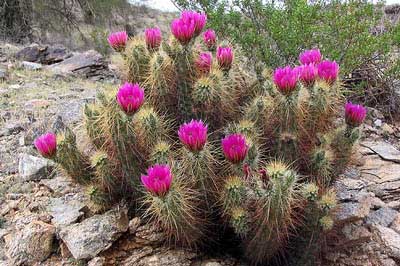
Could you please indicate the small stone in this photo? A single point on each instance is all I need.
(15, 87)
(394, 204)
(383, 216)
(378, 123)
(353, 211)
(33, 168)
(87, 239)
(387, 129)
(66, 210)
(396, 224)
(377, 203)
(133, 225)
(389, 239)
(10, 129)
(98, 261)
(31, 66)
(34, 243)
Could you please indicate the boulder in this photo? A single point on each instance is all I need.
(389, 239)
(34, 243)
(31, 66)
(87, 64)
(46, 55)
(385, 150)
(90, 237)
(353, 211)
(33, 168)
(383, 216)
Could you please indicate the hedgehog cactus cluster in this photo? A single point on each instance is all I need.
(200, 146)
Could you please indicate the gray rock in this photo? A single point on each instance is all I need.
(59, 185)
(385, 150)
(43, 54)
(10, 129)
(155, 257)
(353, 211)
(87, 239)
(378, 123)
(87, 64)
(34, 243)
(3, 73)
(388, 192)
(98, 261)
(389, 239)
(383, 216)
(33, 168)
(66, 210)
(31, 66)
(134, 225)
(396, 224)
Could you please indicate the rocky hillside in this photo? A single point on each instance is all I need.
(45, 87)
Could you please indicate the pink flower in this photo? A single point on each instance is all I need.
(158, 179)
(153, 38)
(307, 73)
(224, 57)
(118, 40)
(328, 71)
(198, 19)
(130, 97)
(310, 57)
(209, 38)
(204, 62)
(193, 135)
(285, 79)
(235, 148)
(46, 145)
(354, 114)
(182, 30)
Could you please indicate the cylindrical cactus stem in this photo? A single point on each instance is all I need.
(273, 216)
(321, 165)
(137, 58)
(73, 161)
(233, 194)
(93, 125)
(149, 128)
(186, 72)
(104, 174)
(161, 153)
(198, 168)
(161, 83)
(239, 219)
(173, 207)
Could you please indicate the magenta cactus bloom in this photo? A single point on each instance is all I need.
(46, 145)
(153, 38)
(307, 74)
(310, 57)
(182, 30)
(328, 71)
(130, 97)
(158, 180)
(286, 79)
(204, 62)
(225, 57)
(193, 135)
(198, 19)
(235, 148)
(117, 40)
(354, 114)
(210, 38)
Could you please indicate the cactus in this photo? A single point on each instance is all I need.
(224, 146)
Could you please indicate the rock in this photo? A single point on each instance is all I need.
(353, 211)
(377, 203)
(134, 225)
(59, 185)
(33, 168)
(383, 216)
(154, 257)
(389, 239)
(394, 204)
(87, 239)
(87, 64)
(3, 73)
(378, 123)
(385, 150)
(31, 66)
(43, 54)
(66, 210)
(396, 224)
(32, 244)
(15, 87)
(387, 129)
(388, 192)
(10, 129)
(98, 261)
(377, 170)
